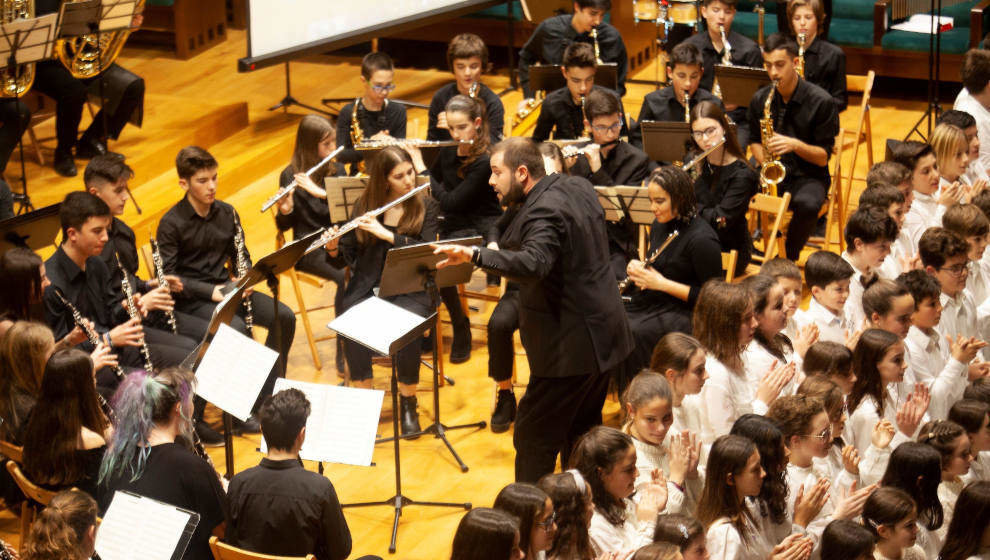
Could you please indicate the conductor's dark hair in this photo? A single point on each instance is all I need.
(373, 62)
(108, 168)
(847, 540)
(467, 45)
(966, 532)
(889, 173)
(519, 151)
(916, 468)
(595, 4)
(975, 71)
(685, 53)
(957, 118)
(485, 534)
(579, 55)
(601, 103)
(908, 153)
(679, 188)
(526, 503)
(921, 285)
(779, 41)
(869, 224)
(938, 245)
(971, 414)
(282, 416)
(824, 267)
(192, 159)
(78, 207)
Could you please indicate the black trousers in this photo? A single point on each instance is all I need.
(807, 197)
(123, 93)
(552, 415)
(14, 119)
(502, 325)
(648, 326)
(406, 360)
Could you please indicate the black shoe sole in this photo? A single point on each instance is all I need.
(459, 358)
(500, 428)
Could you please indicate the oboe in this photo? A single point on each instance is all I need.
(77, 318)
(284, 191)
(156, 258)
(132, 311)
(242, 269)
(624, 284)
(329, 235)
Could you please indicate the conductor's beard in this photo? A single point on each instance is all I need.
(516, 194)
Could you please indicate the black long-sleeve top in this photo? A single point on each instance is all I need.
(121, 241)
(392, 118)
(90, 291)
(280, 508)
(624, 164)
(467, 202)
(199, 249)
(825, 66)
(555, 34)
(693, 258)
(662, 106)
(495, 112)
(309, 213)
(745, 52)
(563, 117)
(723, 194)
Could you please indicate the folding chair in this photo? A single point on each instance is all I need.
(729, 264)
(771, 210)
(223, 551)
(35, 494)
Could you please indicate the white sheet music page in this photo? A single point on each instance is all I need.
(135, 521)
(233, 370)
(375, 323)
(342, 425)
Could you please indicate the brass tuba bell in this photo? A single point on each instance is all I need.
(89, 55)
(17, 80)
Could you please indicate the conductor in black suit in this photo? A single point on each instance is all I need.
(572, 323)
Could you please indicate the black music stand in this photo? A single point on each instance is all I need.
(549, 77)
(934, 62)
(740, 83)
(668, 142)
(289, 100)
(34, 230)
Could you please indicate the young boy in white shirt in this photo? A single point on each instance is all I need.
(929, 202)
(969, 222)
(869, 233)
(828, 277)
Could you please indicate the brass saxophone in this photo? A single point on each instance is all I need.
(473, 90)
(242, 269)
(77, 318)
(89, 55)
(584, 118)
(800, 65)
(132, 311)
(726, 59)
(156, 258)
(17, 80)
(357, 135)
(687, 107)
(772, 172)
(594, 37)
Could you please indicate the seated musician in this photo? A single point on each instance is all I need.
(725, 183)
(666, 289)
(371, 116)
(742, 51)
(562, 112)
(555, 34)
(78, 272)
(198, 238)
(684, 67)
(782, 17)
(124, 93)
(416, 220)
(805, 124)
(824, 63)
(467, 56)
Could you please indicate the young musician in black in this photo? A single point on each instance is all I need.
(562, 112)
(743, 51)
(783, 17)
(467, 56)
(824, 63)
(665, 291)
(553, 35)
(459, 183)
(724, 183)
(416, 220)
(805, 123)
(685, 67)
(197, 241)
(375, 118)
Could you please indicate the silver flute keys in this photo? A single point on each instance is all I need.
(242, 269)
(156, 258)
(132, 311)
(77, 318)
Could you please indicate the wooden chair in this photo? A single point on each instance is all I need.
(729, 264)
(864, 131)
(13, 452)
(223, 551)
(34, 492)
(771, 210)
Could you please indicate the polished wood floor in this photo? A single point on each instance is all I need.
(205, 101)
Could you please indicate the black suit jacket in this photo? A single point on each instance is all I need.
(571, 318)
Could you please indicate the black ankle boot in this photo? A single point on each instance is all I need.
(460, 348)
(408, 417)
(505, 411)
(339, 357)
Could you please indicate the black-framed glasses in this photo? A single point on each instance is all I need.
(548, 522)
(824, 435)
(702, 134)
(383, 89)
(602, 129)
(956, 270)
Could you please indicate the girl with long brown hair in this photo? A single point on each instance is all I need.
(24, 350)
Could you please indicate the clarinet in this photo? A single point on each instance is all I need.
(77, 318)
(107, 409)
(242, 269)
(156, 258)
(132, 311)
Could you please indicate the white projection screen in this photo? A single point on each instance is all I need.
(280, 30)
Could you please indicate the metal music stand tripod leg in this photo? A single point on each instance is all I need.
(289, 101)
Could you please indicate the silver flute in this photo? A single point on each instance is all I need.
(132, 311)
(284, 191)
(77, 318)
(242, 269)
(624, 284)
(156, 258)
(329, 234)
(411, 142)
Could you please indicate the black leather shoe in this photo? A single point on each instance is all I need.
(251, 426)
(64, 164)
(207, 435)
(505, 411)
(460, 348)
(408, 417)
(88, 148)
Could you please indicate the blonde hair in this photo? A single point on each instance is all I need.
(946, 141)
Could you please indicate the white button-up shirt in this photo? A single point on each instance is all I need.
(831, 327)
(854, 304)
(925, 212)
(958, 316)
(932, 364)
(966, 102)
(725, 397)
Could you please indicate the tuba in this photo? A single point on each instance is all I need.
(17, 80)
(772, 171)
(89, 55)
(800, 65)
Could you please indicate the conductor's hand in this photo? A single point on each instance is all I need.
(456, 254)
(127, 334)
(780, 144)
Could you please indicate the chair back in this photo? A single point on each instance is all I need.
(13, 452)
(223, 551)
(773, 208)
(729, 264)
(30, 489)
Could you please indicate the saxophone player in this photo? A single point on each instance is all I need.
(805, 123)
(371, 116)
(824, 63)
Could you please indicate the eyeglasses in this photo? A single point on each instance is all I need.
(383, 89)
(824, 435)
(548, 522)
(602, 129)
(956, 270)
(701, 134)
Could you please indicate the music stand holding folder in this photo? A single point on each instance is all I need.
(740, 83)
(34, 230)
(549, 77)
(669, 141)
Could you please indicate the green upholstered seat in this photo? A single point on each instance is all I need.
(851, 32)
(748, 23)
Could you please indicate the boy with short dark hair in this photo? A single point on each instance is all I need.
(827, 276)
(685, 67)
(868, 234)
(562, 112)
(974, 98)
(375, 117)
(890, 198)
(788, 275)
(945, 255)
(613, 162)
(467, 57)
(553, 35)
(970, 223)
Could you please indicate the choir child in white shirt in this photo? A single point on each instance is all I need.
(834, 361)
(953, 445)
(534, 510)
(982, 201)
(945, 256)
(572, 506)
(847, 540)
(893, 517)
(974, 417)
(892, 200)
(916, 468)
(970, 223)
(968, 537)
(842, 459)
(893, 174)
(869, 232)
(788, 275)
(929, 201)
(828, 277)
(681, 360)
(952, 159)
(976, 170)
(684, 532)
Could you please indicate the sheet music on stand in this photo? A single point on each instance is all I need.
(375, 323)
(162, 531)
(30, 40)
(342, 424)
(233, 370)
(626, 201)
(81, 17)
(669, 141)
(740, 83)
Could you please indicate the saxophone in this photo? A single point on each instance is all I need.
(772, 171)
(156, 258)
(17, 79)
(726, 59)
(584, 118)
(357, 135)
(687, 107)
(89, 55)
(242, 269)
(77, 318)
(132, 311)
(800, 65)
(473, 90)
(594, 37)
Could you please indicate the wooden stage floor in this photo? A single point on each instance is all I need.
(205, 101)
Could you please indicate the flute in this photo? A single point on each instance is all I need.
(132, 312)
(284, 191)
(650, 260)
(77, 318)
(411, 142)
(329, 234)
(687, 166)
(156, 258)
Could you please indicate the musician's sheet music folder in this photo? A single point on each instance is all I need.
(740, 83)
(342, 424)
(379, 325)
(161, 531)
(31, 40)
(233, 371)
